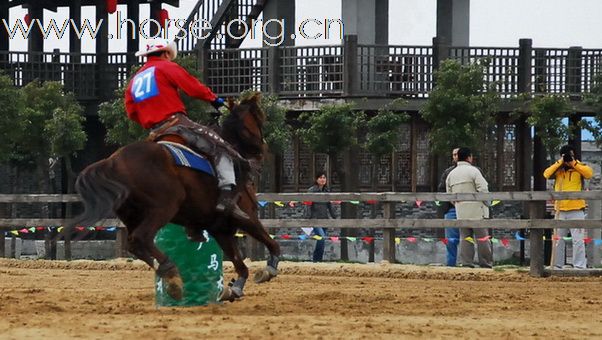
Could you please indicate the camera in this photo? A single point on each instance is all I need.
(567, 158)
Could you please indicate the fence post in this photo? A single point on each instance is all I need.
(350, 67)
(2, 243)
(121, 242)
(274, 61)
(389, 234)
(536, 240)
(67, 242)
(525, 51)
(56, 65)
(573, 72)
(203, 58)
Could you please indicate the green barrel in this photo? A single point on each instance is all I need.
(200, 265)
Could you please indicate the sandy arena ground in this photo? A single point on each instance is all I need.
(115, 300)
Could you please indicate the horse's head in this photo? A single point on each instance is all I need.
(243, 127)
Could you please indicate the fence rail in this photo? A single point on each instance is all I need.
(388, 224)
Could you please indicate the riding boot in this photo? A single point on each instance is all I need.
(226, 203)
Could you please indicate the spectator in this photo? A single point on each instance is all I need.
(466, 178)
(448, 211)
(320, 210)
(569, 174)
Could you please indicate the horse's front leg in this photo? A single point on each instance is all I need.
(256, 230)
(141, 243)
(236, 290)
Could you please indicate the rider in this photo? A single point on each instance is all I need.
(152, 100)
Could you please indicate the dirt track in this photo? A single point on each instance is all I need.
(115, 300)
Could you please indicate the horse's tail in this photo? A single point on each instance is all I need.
(101, 193)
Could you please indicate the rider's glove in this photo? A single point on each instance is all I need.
(218, 102)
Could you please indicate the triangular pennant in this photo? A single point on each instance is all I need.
(371, 202)
(437, 203)
(334, 238)
(317, 237)
(470, 239)
(397, 240)
(352, 239)
(411, 239)
(239, 235)
(24, 231)
(567, 238)
(263, 203)
(111, 229)
(292, 204)
(307, 203)
(484, 238)
(505, 242)
(368, 239)
(285, 236)
(279, 203)
(427, 239)
(495, 202)
(588, 240)
(418, 203)
(354, 202)
(597, 242)
(32, 230)
(303, 237)
(444, 240)
(519, 237)
(14, 232)
(336, 202)
(494, 240)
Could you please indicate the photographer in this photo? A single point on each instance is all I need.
(569, 175)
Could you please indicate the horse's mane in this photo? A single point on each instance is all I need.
(233, 126)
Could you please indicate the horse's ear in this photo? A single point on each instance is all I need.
(256, 98)
(230, 103)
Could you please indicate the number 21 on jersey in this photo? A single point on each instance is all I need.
(144, 85)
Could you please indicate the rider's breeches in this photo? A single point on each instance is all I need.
(225, 170)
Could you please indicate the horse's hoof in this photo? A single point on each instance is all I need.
(230, 294)
(174, 285)
(265, 275)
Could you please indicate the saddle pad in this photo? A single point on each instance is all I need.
(183, 156)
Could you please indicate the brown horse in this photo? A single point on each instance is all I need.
(142, 186)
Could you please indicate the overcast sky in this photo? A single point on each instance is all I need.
(550, 23)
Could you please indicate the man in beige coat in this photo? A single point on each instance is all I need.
(466, 178)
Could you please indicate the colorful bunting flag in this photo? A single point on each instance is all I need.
(470, 239)
(411, 239)
(263, 203)
(278, 203)
(519, 237)
(334, 238)
(418, 203)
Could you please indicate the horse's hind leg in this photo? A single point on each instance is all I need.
(228, 244)
(258, 232)
(142, 244)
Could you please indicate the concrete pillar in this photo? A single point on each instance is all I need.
(4, 41)
(453, 21)
(133, 10)
(279, 10)
(368, 19)
(75, 44)
(36, 39)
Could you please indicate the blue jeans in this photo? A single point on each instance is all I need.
(453, 239)
(319, 250)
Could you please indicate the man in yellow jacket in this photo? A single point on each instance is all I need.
(568, 174)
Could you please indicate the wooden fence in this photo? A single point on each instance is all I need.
(535, 200)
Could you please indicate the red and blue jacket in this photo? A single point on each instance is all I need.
(152, 94)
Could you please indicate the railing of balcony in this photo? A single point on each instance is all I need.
(231, 71)
(325, 71)
(311, 71)
(500, 65)
(395, 70)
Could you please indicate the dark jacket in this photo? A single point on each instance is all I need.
(319, 210)
(444, 207)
